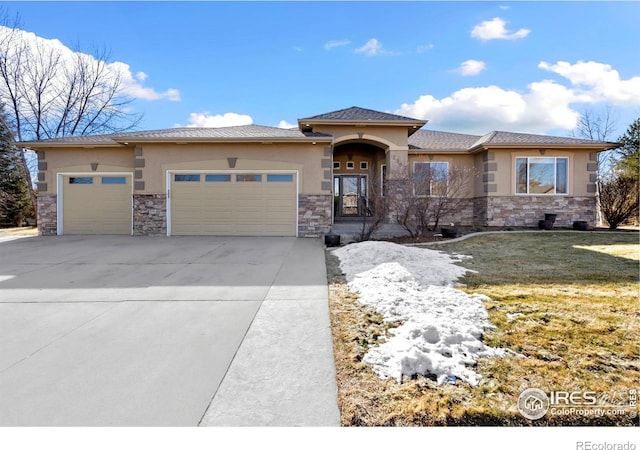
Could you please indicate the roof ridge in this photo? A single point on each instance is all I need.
(447, 132)
(357, 113)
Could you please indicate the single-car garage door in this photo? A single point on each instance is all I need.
(96, 204)
(233, 203)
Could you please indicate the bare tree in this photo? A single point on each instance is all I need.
(599, 126)
(374, 208)
(431, 194)
(619, 198)
(51, 92)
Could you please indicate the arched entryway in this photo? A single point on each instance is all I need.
(359, 170)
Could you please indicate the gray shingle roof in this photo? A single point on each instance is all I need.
(507, 138)
(235, 132)
(355, 114)
(440, 140)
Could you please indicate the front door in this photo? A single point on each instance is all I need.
(350, 195)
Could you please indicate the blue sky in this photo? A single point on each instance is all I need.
(466, 66)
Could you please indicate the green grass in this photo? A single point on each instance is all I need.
(568, 302)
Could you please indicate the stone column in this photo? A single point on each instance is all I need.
(149, 215)
(47, 215)
(398, 180)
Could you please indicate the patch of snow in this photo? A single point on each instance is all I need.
(441, 327)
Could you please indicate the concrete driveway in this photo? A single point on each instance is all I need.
(180, 331)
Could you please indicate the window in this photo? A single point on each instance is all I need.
(430, 178)
(364, 165)
(80, 180)
(187, 177)
(542, 176)
(246, 177)
(350, 165)
(279, 178)
(114, 180)
(336, 164)
(217, 178)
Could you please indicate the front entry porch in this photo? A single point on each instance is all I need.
(358, 178)
(350, 200)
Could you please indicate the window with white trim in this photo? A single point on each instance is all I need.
(430, 178)
(542, 175)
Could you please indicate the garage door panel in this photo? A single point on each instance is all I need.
(234, 204)
(96, 204)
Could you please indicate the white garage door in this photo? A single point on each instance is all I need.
(234, 204)
(96, 204)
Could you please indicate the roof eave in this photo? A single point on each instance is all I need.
(203, 140)
(363, 123)
(595, 146)
(45, 144)
(448, 151)
(127, 142)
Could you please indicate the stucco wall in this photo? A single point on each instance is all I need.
(308, 159)
(53, 161)
(387, 136)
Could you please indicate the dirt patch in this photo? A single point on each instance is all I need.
(21, 231)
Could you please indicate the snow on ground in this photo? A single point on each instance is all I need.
(441, 327)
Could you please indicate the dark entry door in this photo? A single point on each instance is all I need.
(350, 195)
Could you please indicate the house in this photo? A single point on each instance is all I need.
(256, 180)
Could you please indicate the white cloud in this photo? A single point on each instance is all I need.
(286, 125)
(133, 87)
(541, 107)
(296, 48)
(424, 48)
(207, 120)
(333, 44)
(496, 29)
(505, 7)
(597, 82)
(131, 84)
(545, 106)
(471, 67)
(371, 48)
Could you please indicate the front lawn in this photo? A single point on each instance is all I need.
(566, 301)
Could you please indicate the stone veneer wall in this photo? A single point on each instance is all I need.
(527, 211)
(480, 211)
(47, 215)
(314, 215)
(464, 214)
(150, 214)
(520, 211)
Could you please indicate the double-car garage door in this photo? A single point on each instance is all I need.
(233, 203)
